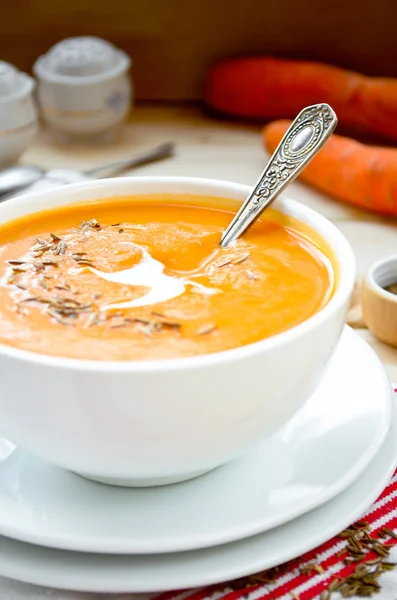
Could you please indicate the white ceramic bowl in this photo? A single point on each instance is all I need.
(156, 422)
(18, 115)
(84, 88)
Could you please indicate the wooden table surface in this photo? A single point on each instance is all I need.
(206, 147)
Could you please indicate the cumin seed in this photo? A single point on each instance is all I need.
(141, 321)
(363, 524)
(251, 275)
(382, 550)
(47, 262)
(348, 532)
(382, 534)
(81, 260)
(92, 224)
(39, 251)
(150, 327)
(164, 322)
(85, 263)
(171, 324)
(115, 225)
(359, 556)
(224, 264)
(10, 279)
(146, 329)
(206, 329)
(388, 566)
(17, 262)
(60, 248)
(55, 237)
(242, 258)
(389, 532)
(348, 561)
(93, 319)
(306, 569)
(36, 299)
(360, 572)
(55, 315)
(333, 586)
(319, 569)
(356, 544)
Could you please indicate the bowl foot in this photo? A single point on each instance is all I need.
(143, 482)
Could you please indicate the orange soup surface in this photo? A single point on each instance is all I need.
(143, 279)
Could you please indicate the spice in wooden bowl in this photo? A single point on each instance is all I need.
(392, 289)
(379, 299)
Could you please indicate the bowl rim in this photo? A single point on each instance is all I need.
(374, 285)
(345, 286)
(29, 85)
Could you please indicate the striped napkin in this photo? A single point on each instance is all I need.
(358, 563)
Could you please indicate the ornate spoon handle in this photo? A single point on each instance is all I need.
(307, 134)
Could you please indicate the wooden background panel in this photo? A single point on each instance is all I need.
(172, 42)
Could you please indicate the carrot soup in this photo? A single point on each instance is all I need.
(144, 278)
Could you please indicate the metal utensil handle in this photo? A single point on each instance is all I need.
(143, 158)
(307, 134)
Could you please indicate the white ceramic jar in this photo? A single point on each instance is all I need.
(83, 86)
(18, 115)
(160, 421)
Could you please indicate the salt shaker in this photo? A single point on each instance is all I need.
(18, 114)
(83, 86)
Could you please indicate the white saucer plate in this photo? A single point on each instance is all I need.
(314, 458)
(161, 572)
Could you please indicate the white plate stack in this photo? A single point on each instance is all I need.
(314, 478)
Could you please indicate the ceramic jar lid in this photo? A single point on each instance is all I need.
(80, 58)
(13, 81)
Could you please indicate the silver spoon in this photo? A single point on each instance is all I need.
(306, 136)
(20, 177)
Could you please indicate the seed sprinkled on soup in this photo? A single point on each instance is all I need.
(144, 279)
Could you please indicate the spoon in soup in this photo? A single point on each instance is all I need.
(304, 138)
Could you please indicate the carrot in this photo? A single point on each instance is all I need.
(365, 176)
(271, 88)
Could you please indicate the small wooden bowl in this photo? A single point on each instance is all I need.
(379, 305)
